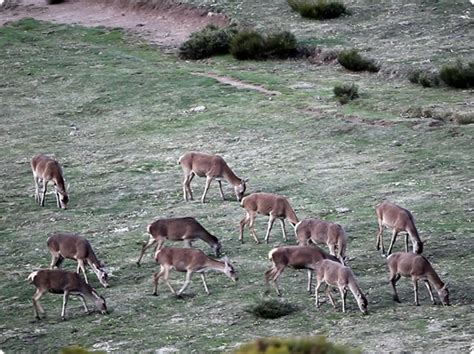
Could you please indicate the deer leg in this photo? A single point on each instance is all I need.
(332, 249)
(185, 187)
(282, 223)
(252, 227)
(243, 222)
(65, 298)
(310, 276)
(203, 277)
(271, 220)
(81, 266)
(428, 286)
(190, 191)
(166, 277)
(37, 187)
(316, 290)
(57, 197)
(54, 260)
(45, 187)
(188, 243)
(81, 297)
(206, 188)
(343, 296)
(406, 242)
(415, 289)
(275, 278)
(393, 281)
(37, 309)
(220, 189)
(186, 282)
(156, 278)
(145, 246)
(394, 237)
(327, 291)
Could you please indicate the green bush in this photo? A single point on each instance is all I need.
(281, 45)
(309, 345)
(318, 9)
(271, 309)
(248, 44)
(209, 41)
(458, 75)
(346, 92)
(352, 60)
(424, 77)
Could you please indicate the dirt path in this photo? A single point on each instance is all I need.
(167, 27)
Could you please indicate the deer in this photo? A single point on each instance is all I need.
(338, 275)
(58, 281)
(273, 205)
(212, 167)
(65, 245)
(47, 169)
(190, 261)
(186, 229)
(398, 219)
(417, 267)
(319, 231)
(298, 257)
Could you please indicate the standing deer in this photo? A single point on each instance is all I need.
(398, 219)
(319, 231)
(212, 167)
(273, 205)
(190, 261)
(416, 267)
(60, 281)
(298, 257)
(47, 169)
(64, 245)
(335, 274)
(186, 229)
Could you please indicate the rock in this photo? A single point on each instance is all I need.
(343, 210)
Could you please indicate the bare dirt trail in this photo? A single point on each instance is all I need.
(166, 27)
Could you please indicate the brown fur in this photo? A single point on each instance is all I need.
(65, 245)
(212, 167)
(60, 281)
(186, 229)
(298, 257)
(190, 261)
(335, 274)
(319, 231)
(398, 219)
(47, 169)
(273, 205)
(416, 267)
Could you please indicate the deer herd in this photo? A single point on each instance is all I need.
(330, 268)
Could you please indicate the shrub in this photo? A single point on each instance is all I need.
(352, 60)
(307, 345)
(272, 309)
(458, 75)
(318, 9)
(346, 92)
(414, 76)
(424, 77)
(281, 45)
(247, 45)
(209, 41)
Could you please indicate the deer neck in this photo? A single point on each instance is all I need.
(209, 239)
(435, 279)
(231, 177)
(215, 265)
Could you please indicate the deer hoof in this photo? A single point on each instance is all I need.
(155, 294)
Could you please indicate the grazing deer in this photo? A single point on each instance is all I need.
(398, 219)
(273, 205)
(335, 274)
(319, 231)
(47, 169)
(186, 229)
(212, 167)
(64, 245)
(417, 267)
(60, 281)
(190, 261)
(298, 257)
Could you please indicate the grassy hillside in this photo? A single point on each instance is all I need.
(116, 114)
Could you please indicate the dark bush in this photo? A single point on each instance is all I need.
(281, 45)
(414, 76)
(248, 45)
(352, 60)
(318, 9)
(346, 92)
(309, 345)
(209, 41)
(53, 2)
(458, 75)
(424, 77)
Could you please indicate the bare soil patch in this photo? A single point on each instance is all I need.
(167, 26)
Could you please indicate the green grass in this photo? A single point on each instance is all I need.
(130, 102)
